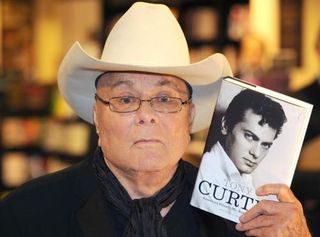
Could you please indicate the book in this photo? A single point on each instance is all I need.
(255, 138)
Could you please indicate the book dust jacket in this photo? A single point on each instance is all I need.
(255, 138)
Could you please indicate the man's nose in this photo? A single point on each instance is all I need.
(255, 150)
(146, 113)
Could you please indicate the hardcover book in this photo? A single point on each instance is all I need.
(255, 138)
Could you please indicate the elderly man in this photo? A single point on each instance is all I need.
(143, 107)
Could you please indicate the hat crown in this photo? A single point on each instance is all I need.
(148, 35)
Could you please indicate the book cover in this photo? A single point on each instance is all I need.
(255, 138)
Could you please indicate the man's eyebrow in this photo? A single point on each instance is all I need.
(267, 143)
(109, 80)
(255, 137)
(165, 82)
(120, 83)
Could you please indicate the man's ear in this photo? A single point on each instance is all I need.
(192, 113)
(224, 128)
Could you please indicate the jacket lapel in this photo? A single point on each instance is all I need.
(92, 217)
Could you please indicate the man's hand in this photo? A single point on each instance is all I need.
(270, 218)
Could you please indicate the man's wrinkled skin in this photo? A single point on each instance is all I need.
(270, 218)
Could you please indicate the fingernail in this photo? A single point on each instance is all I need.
(238, 226)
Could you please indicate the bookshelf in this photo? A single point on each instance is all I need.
(38, 133)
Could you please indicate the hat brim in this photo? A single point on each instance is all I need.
(78, 71)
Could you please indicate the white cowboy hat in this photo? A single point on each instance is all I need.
(146, 38)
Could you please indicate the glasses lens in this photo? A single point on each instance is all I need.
(124, 104)
(165, 104)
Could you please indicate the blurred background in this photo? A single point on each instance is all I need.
(274, 43)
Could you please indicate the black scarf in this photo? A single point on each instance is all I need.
(144, 219)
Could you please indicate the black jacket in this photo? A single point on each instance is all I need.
(311, 94)
(70, 203)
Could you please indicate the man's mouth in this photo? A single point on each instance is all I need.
(147, 141)
(249, 162)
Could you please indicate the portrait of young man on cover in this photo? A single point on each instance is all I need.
(249, 144)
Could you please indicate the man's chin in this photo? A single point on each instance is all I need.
(152, 164)
(248, 170)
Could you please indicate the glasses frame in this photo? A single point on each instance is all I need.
(105, 102)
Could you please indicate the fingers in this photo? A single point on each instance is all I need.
(283, 192)
(264, 209)
(269, 218)
(273, 218)
(257, 221)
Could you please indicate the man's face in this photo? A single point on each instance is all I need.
(248, 143)
(144, 140)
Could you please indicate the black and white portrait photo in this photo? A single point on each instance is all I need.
(252, 140)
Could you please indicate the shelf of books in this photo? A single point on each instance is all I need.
(38, 134)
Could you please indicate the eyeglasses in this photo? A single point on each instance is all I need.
(126, 104)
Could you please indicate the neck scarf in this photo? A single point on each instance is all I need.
(144, 219)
